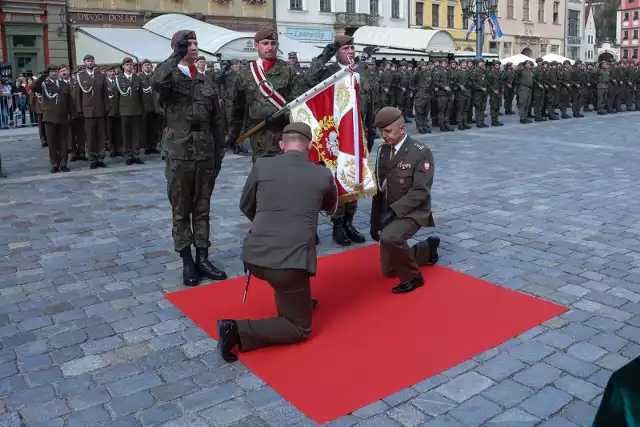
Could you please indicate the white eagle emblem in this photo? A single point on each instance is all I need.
(333, 144)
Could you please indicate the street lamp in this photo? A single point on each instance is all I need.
(480, 10)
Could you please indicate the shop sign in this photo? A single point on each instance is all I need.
(309, 34)
(92, 18)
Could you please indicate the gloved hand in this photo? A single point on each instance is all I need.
(386, 218)
(330, 50)
(182, 48)
(226, 65)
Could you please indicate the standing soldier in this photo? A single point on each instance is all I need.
(460, 83)
(479, 82)
(129, 94)
(494, 82)
(194, 131)
(92, 103)
(508, 78)
(525, 85)
(539, 91)
(636, 80)
(38, 108)
(151, 125)
(387, 86)
(343, 48)
(552, 90)
(603, 78)
(114, 125)
(564, 88)
(577, 88)
(422, 83)
(261, 90)
(56, 110)
(442, 87)
(77, 140)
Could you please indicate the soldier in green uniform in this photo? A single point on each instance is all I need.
(613, 94)
(636, 80)
(592, 91)
(190, 144)
(524, 81)
(494, 83)
(422, 83)
(479, 83)
(577, 88)
(551, 83)
(508, 79)
(461, 87)
(603, 78)
(442, 87)
(262, 89)
(129, 95)
(344, 233)
(564, 88)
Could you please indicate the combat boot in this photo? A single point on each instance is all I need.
(461, 126)
(443, 127)
(189, 276)
(578, 115)
(449, 128)
(339, 235)
(466, 125)
(353, 234)
(204, 268)
(565, 116)
(481, 124)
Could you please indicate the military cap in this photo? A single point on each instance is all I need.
(344, 40)
(145, 61)
(453, 61)
(87, 57)
(578, 62)
(539, 59)
(266, 33)
(200, 58)
(509, 64)
(52, 68)
(299, 128)
(496, 62)
(566, 61)
(293, 55)
(127, 60)
(387, 116)
(478, 61)
(182, 35)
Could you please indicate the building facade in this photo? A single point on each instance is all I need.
(574, 29)
(34, 35)
(319, 21)
(628, 29)
(237, 15)
(531, 27)
(589, 36)
(443, 15)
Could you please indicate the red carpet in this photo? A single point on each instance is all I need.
(368, 343)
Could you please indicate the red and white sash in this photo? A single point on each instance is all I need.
(265, 87)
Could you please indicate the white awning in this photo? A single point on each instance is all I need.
(550, 57)
(227, 43)
(111, 45)
(412, 39)
(516, 59)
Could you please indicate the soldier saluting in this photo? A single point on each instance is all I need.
(262, 89)
(191, 139)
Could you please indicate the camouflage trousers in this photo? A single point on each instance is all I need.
(266, 143)
(346, 209)
(189, 187)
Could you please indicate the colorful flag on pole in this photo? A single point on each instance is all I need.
(472, 27)
(339, 139)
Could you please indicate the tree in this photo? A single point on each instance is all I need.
(605, 16)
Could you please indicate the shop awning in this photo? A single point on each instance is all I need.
(226, 43)
(411, 39)
(111, 45)
(550, 57)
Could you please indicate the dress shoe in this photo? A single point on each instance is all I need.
(93, 165)
(55, 169)
(204, 268)
(353, 234)
(138, 161)
(189, 276)
(65, 169)
(101, 164)
(434, 243)
(409, 286)
(229, 339)
(339, 235)
(129, 162)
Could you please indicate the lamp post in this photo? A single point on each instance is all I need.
(481, 10)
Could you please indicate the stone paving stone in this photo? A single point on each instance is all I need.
(586, 351)
(501, 367)
(475, 411)
(513, 418)
(465, 386)
(508, 393)
(433, 403)
(579, 388)
(548, 401)
(227, 413)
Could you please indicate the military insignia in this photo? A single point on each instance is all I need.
(404, 166)
(401, 181)
(427, 166)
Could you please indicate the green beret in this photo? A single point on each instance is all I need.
(127, 60)
(538, 59)
(344, 40)
(145, 61)
(299, 128)
(87, 57)
(266, 33)
(387, 116)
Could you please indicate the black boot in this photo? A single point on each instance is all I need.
(189, 277)
(353, 234)
(339, 235)
(433, 242)
(204, 268)
(228, 339)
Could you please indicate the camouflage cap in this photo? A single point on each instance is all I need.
(387, 116)
(182, 35)
(299, 128)
(266, 33)
(496, 62)
(127, 60)
(344, 40)
(452, 61)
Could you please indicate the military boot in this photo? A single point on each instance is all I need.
(461, 126)
(189, 276)
(352, 233)
(565, 116)
(204, 268)
(443, 127)
(448, 127)
(481, 124)
(578, 114)
(339, 235)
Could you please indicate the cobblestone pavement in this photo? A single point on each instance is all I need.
(87, 339)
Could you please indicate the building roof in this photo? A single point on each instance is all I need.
(430, 41)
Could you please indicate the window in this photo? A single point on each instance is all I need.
(543, 49)
(465, 22)
(574, 52)
(451, 13)
(625, 53)
(635, 15)
(556, 11)
(395, 9)
(540, 10)
(24, 41)
(525, 10)
(435, 15)
(419, 14)
(635, 34)
(554, 48)
(493, 47)
(374, 7)
(634, 53)
(351, 6)
(625, 35)
(626, 16)
(325, 5)
(295, 4)
(574, 23)
(506, 49)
